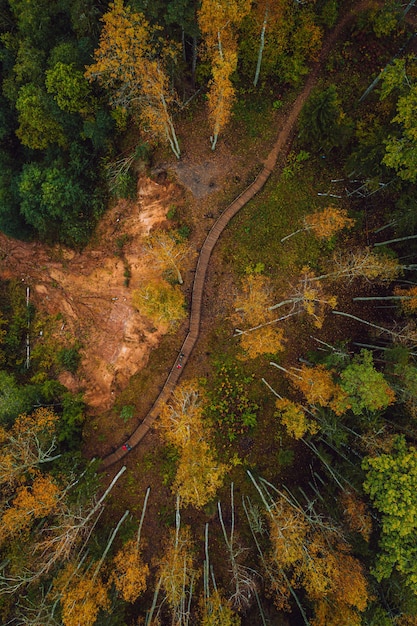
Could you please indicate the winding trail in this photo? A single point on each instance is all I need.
(280, 147)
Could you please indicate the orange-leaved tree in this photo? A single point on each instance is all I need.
(318, 386)
(308, 296)
(32, 440)
(130, 62)
(82, 595)
(30, 503)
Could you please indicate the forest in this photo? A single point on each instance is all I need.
(254, 461)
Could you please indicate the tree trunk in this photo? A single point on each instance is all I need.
(261, 47)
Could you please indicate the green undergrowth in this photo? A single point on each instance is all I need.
(255, 234)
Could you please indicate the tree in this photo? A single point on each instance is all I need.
(130, 62)
(318, 387)
(322, 120)
(30, 503)
(357, 514)
(325, 223)
(169, 252)
(199, 475)
(218, 612)
(31, 441)
(294, 418)
(177, 572)
(408, 298)
(218, 21)
(308, 296)
(69, 88)
(365, 388)
(82, 595)
(38, 127)
(53, 198)
(251, 307)
(161, 302)
(268, 12)
(391, 484)
(278, 39)
(130, 573)
(400, 147)
(364, 263)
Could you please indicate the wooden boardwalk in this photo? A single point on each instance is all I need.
(279, 149)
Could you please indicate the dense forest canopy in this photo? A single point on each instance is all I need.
(282, 470)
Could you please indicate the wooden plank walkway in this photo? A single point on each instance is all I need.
(279, 148)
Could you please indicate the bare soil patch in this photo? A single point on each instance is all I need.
(88, 290)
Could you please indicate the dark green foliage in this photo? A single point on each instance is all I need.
(50, 182)
(322, 121)
(71, 420)
(13, 399)
(69, 359)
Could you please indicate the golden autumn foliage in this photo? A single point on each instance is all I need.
(318, 387)
(317, 559)
(218, 612)
(327, 222)
(81, 595)
(294, 418)
(221, 94)
(251, 308)
(130, 573)
(218, 21)
(254, 298)
(176, 565)
(266, 340)
(30, 441)
(313, 298)
(168, 252)
(288, 531)
(199, 474)
(364, 263)
(160, 301)
(181, 418)
(129, 62)
(30, 503)
(408, 299)
(356, 514)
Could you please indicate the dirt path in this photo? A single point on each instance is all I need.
(279, 149)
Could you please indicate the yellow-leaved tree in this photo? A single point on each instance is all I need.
(169, 252)
(130, 572)
(294, 417)
(324, 223)
(130, 63)
(219, 21)
(177, 572)
(82, 595)
(263, 336)
(199, 474)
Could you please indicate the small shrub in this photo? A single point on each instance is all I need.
(127, 412)
(69, 359)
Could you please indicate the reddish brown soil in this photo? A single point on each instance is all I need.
(87, 289)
